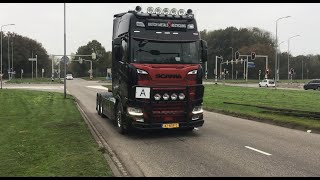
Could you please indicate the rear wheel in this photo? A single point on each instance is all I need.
(259, 85)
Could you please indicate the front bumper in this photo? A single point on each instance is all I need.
(182, 125)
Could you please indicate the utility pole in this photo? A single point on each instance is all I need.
(36, 66)
(65, 62)
(32, 67)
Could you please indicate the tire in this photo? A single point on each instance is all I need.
(98, 107)
(266, 85)
(119, 120)
(259, 85)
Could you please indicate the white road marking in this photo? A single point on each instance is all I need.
(265, 153)
(98, 87)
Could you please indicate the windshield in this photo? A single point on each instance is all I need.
(152, 52)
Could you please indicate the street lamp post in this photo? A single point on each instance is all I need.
(1, 73)
(231, 62)
(65, 63)
(276, 53)
(9, 56)
(278, 69)
(289, 53)
(216, 69)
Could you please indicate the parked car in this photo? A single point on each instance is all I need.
(313, 84)
(267, 83)
(69, 77)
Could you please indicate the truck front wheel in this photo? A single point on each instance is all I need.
(120, 120)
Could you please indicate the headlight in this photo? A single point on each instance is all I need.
(140, 71)
(174, 96)
(197, 110)
(157, 97)
(190, 26)
(134, 111)
(193, 72)
(165, 96)
(181, 96)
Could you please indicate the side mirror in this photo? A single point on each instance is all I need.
(118, 51)
(204, 50)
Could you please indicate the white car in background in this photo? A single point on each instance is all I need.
(267, 83)
(69, 77)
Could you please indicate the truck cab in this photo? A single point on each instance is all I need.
(157, 72)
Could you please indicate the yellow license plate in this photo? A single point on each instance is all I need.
(172, 125)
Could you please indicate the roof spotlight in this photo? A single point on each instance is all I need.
(181, 12)
(138, 8)
(165, 11)
(157, 10)
(189, 11)
(174, 11)
(150, 10)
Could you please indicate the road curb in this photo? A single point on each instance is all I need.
(115, 164)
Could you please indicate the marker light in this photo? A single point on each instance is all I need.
(181, 12)
(174, 96)
(157, 10)
(165, 11)
(138, 8)
(181, 96)
(157, 97)
(174, 11)
(165, 96)
(150, 10)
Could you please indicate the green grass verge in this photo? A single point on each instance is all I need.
(242, 81)
(43, 134)
(35, 81)
(279, 106)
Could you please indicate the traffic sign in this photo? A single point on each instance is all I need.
(251, 65)
(32, 59)
(65, 59)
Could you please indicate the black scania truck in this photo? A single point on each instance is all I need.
(156, 71)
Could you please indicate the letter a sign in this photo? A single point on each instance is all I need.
(143, 92)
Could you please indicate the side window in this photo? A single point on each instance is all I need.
(313, 81)
(125, 50)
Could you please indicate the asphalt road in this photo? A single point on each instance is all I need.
(224, 146)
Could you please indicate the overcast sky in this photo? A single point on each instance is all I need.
(44, 22)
